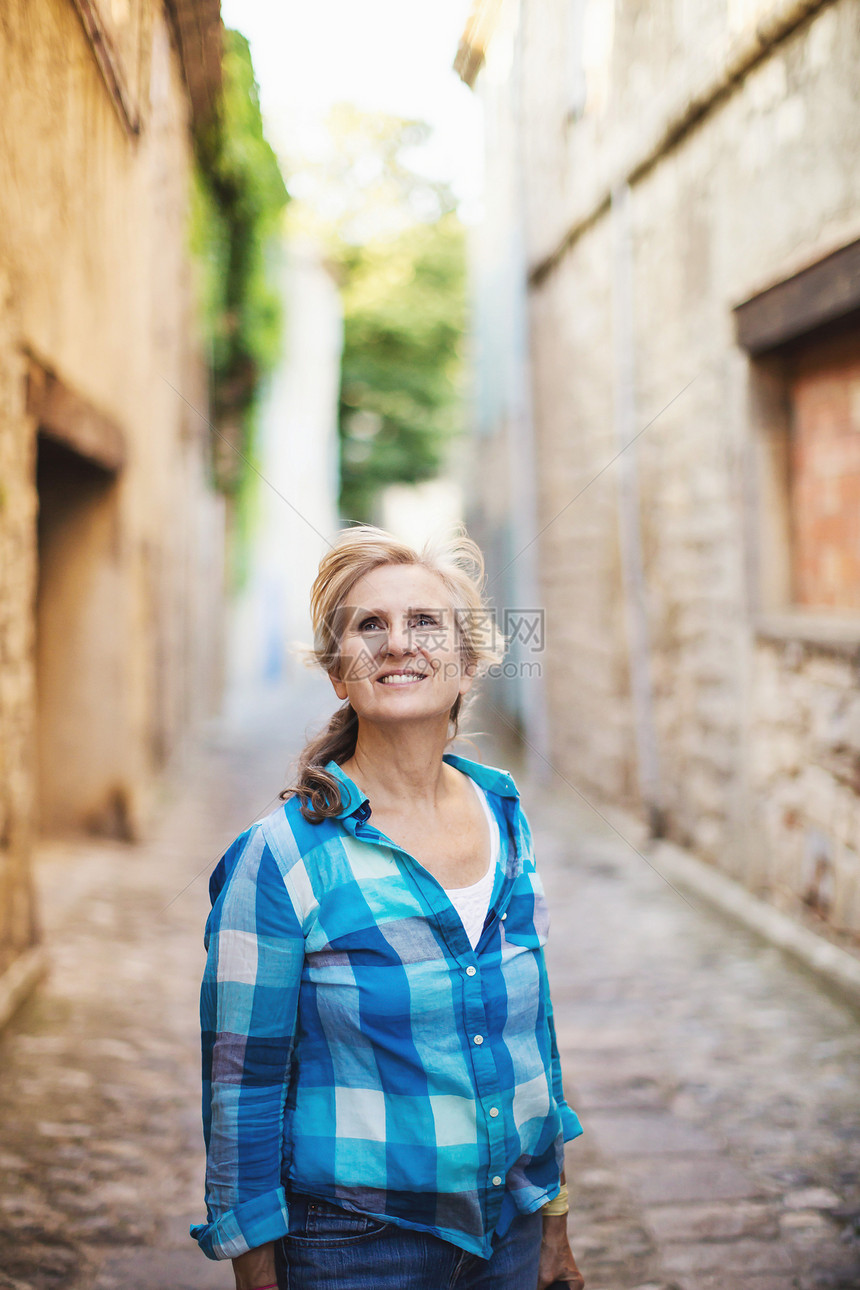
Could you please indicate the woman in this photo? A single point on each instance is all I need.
(383, 1100)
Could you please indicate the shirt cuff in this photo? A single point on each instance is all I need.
(248, 1225)
(570, 1125)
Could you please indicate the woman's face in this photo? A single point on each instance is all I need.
(400, 657)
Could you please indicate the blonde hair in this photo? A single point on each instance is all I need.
(356, 551)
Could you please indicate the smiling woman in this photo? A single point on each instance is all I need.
(378, 607)
(383, 1099)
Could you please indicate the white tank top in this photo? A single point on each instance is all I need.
(472, 903)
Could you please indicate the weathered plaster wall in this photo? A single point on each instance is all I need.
(108, 660)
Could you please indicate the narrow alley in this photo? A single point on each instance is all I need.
(717, 1084)
(564, 295)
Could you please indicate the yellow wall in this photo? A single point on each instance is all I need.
(112, 649)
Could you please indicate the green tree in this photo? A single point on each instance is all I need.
(399, 252)
(401, 397)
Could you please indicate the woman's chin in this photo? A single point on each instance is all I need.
(413, 705)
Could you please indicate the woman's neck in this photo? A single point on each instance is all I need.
(401, 771)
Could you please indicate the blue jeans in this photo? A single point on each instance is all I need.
(329, 1248)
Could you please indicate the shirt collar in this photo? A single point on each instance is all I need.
(351, 797)
(487, 777)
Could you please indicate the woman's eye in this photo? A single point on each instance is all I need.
(367, 622)
(427, 618)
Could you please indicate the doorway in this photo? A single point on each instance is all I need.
(80, 646)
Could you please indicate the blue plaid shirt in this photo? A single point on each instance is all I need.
(355, 1046)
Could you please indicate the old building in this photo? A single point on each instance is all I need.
(111, 535)
(674, 213)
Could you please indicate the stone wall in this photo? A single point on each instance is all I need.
(678, 160)
(805, 778)
(17, 700)
(111, 581)
(579, 560)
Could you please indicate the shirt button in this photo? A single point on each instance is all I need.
(479, 1039)
(504, 916)
(494, 1111)
(497, 1182)
(470, 971)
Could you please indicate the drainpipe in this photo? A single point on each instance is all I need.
(523, 483)
(633, 575)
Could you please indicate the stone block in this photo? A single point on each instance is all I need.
(725, 1220)
(728, 1257)
(846, 887)
(706, 1178)
(717, 1281)
(649, 1133)
(829, 673)
(146, 1269)
(634, 1093)
(811, 1198)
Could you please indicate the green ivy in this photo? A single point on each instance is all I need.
(238, 195)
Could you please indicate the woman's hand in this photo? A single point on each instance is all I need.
(557, 1263)
(256, 1268)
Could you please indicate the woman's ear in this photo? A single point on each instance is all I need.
(337, 685)
(468, 673)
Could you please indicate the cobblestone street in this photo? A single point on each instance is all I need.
(718, 1085)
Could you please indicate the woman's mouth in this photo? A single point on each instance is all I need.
(401, 678)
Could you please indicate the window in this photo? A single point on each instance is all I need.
(823, 384)
(803, 337)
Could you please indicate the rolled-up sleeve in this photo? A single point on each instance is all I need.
(571, 1127)
(248, 1006)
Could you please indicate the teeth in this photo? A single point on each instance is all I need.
(400, 678)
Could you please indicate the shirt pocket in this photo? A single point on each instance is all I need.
(527, 922)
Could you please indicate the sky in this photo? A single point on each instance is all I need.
(385, 55)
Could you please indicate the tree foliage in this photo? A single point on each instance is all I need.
(366, 184)
(399, 252)
(400, 400)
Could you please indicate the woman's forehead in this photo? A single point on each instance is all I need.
(398, 587)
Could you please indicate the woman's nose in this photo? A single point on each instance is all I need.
(400, 639)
